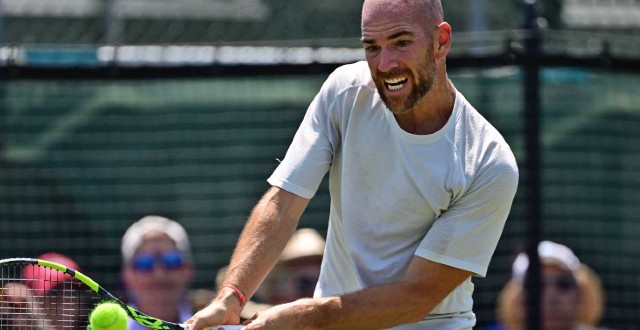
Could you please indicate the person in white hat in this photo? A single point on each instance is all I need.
(571, 297)
(297, 271)
(294, 276)
(157, 269)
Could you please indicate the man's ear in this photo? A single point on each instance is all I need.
(444, 40)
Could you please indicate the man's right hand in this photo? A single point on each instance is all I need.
(225, 309)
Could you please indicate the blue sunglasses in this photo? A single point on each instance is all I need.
(145, 262)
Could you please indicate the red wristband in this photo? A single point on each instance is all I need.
(239, 294)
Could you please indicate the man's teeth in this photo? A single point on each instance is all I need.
(395, 87)
(396, 83)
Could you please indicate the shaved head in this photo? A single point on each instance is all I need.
(429, 10)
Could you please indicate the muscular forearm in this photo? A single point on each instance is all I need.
(271, 224)
(373, 308)
(407, 301)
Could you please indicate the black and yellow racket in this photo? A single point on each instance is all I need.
(40, 294)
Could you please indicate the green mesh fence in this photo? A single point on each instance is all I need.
(208, 21)
(84, 159)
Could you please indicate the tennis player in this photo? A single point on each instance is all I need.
(421, 185)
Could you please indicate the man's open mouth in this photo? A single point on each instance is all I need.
(395, 83)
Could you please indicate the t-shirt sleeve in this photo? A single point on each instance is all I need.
(466, 235)
(310, 154)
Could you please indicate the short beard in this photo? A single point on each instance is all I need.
(427, 78)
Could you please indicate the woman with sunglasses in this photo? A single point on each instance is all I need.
(157, 269)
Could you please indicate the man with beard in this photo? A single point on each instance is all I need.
(421, 185)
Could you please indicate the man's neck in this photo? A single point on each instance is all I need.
(432, 113)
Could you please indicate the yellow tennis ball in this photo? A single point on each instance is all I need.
(108, 316)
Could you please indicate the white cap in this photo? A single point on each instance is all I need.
(305, 242)
(135, 234)
(549, 252)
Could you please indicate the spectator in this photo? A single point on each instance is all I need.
(45, 298)
(297, 271)
(157, 269)
(294, 276)
(19, 308)
(572, 296)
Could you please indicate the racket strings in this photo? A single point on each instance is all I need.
(37, 297)
(18, 307)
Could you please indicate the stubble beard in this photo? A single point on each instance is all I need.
(426, 79)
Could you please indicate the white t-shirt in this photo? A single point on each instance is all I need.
(443, 196)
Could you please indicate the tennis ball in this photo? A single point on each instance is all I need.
(108, 316)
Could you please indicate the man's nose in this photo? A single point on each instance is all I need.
(388, 60)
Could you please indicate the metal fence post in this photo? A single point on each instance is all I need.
(532, 163)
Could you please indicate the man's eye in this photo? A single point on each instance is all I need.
(371, 49)
(403, 43)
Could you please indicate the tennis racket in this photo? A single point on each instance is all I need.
(40, 294)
